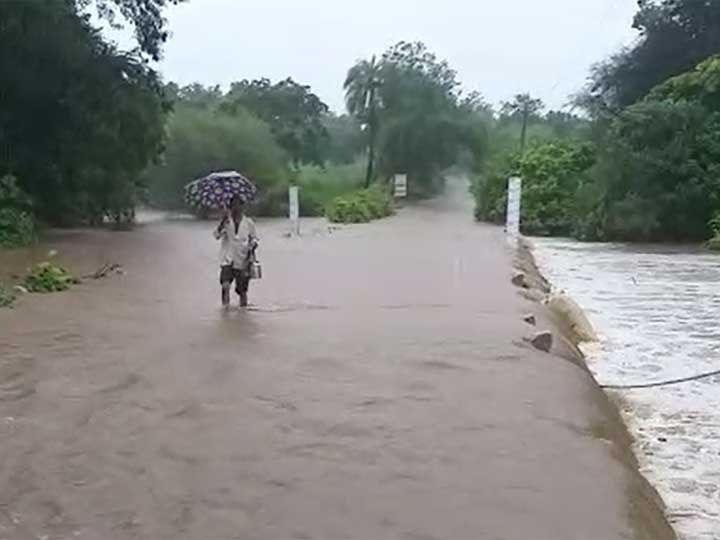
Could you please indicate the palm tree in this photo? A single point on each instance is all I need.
(362, 99)
(525, 106)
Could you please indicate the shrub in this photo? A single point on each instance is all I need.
(48, 277)
(360, 206)
(490, 191)
(714, 225)
(17, 222)
(552, 174)
(6, 297)
(320, 185)
(714, 243)
(660, 160)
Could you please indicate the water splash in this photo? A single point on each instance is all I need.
(656, 310)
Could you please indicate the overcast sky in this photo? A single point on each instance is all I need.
(499, 47)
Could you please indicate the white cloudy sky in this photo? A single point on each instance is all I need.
(499, 47)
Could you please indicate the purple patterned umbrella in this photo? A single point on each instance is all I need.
(217, 189)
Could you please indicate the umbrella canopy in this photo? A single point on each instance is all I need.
(217, 189)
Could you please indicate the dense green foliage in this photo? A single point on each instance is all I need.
(201, 140)
(655, 112)
(552, 174)
(361, 206)
(657, 174)
(209, 130)
(552, 168)
(320, 185)
(17, 221)
(79, 120)
(294, 113)
(714, 224)
(675, 35)
(47, 277)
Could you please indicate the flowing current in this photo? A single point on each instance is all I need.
(656, 311)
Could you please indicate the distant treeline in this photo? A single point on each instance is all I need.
(87, 131)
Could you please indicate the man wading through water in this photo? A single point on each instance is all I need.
(238, 241)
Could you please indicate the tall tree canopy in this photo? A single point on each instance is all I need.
(675, 35)
(79, 120)
(146, 16)
(362, 99)
(293, 112)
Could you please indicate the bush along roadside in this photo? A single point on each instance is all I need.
(47, 277)
(7, 297)
(714, 243)
(17, 221)
(360, 206)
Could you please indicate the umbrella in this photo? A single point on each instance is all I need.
(217, 189)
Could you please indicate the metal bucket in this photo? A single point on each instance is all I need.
(255, 270)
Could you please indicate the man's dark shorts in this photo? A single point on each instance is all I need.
(228, 274)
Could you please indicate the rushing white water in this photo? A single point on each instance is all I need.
(657, 312)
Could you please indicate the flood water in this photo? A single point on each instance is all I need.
(378, 388)
(657, 312)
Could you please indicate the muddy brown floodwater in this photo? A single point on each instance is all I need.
(378, 389)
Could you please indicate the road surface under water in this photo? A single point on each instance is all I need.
(657, 309)
(378, 388)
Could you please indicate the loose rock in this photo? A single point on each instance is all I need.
(542, 341)
(530, 319)
(519, 280)
(20, 289)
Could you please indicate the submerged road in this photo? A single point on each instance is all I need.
(378, 389)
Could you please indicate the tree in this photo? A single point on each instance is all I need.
(146, 16)
(675, 35)
(660, 173)
(79, 120)
(362, 99)
(475, 103)
(701, 84)
(346, 139)
(201, 140)
(422, 128)
(294, 113)
(523, 106)
(197, 95)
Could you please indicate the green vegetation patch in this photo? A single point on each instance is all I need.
(319, 186)
(17, 222)
(6, 297)
(47, 277)
(361, 206)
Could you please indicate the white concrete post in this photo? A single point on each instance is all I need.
(294, 199)
(514, 198)
(400, 182)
